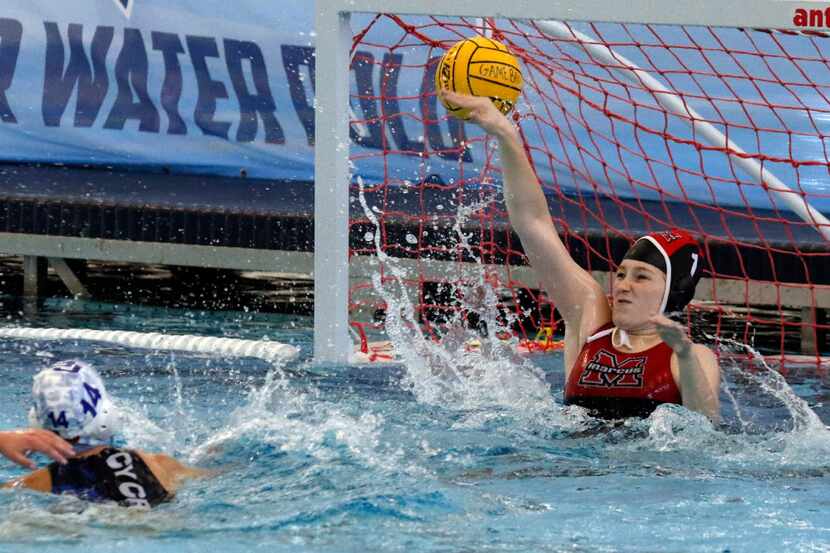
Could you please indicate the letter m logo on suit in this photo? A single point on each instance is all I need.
(605, 370)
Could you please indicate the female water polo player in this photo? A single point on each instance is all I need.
(70, 400)
(625, 357)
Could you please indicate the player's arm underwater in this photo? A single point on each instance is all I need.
(577, 295)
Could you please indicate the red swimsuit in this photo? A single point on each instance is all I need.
(614, 384)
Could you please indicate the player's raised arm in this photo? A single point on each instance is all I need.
(576, 294)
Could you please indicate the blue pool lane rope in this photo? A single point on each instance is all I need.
(233, 347)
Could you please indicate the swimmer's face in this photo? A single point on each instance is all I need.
(638, 292)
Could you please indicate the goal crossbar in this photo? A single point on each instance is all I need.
(765, 14)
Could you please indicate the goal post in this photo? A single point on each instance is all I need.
(332, 343)
(710, 134)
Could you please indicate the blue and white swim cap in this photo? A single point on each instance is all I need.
(70, 399)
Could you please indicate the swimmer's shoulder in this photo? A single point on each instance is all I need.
(169, 471)
(39, 480)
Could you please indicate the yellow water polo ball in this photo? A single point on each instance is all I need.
(480, 66)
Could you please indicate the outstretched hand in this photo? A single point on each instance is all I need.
(18, 444)
(482, 111)
(673, 334)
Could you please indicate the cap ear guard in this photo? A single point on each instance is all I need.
(676, 254)
(687, 272)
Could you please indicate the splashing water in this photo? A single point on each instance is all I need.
(770, 382)
(293, 420)
(447, 372)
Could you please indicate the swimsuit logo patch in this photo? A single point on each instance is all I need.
(604, 370)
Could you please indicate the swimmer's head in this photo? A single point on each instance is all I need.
(677, 255)
(69, 398)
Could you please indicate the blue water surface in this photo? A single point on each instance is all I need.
(482, 458)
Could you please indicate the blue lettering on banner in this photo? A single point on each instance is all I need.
(362, 65)
(10, 33)
(369, 132)
(171, 89)
(429, 112)
(261, 103)
(178, 82)
(389, 71)
(92, 83)
(200, 48)
(131, 73)
(293, 58)
(125, 4)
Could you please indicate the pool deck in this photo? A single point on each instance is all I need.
(267, 227)
(254, 214)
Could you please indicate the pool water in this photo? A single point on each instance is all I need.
(478, 458)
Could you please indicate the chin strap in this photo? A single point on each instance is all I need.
(625, 338)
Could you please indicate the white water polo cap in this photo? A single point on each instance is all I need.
(70, 399)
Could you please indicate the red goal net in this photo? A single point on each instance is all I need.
(630, 128)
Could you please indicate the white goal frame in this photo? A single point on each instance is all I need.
(333, 40)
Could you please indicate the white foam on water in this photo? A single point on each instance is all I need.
(805, 446)
(139, 431)
(302, 422)
(56, 520)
